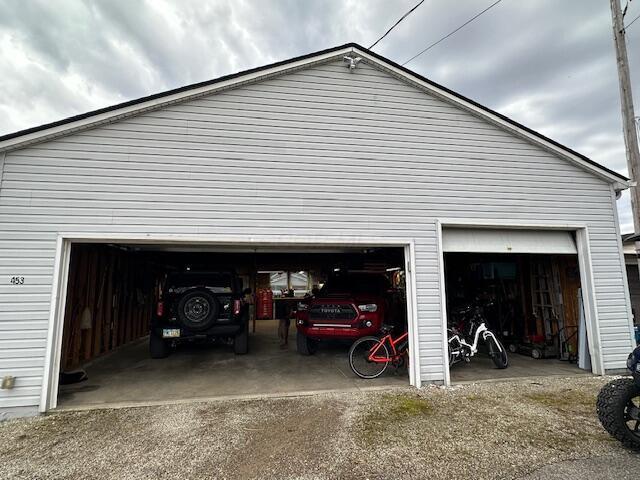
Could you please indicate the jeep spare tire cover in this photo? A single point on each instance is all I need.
(197, 309)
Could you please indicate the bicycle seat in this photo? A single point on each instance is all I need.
(386, 328)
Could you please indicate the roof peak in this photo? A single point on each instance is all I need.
(63, 126)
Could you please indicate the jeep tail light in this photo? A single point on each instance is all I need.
(369, 307)
(160, 309)
(237, 307)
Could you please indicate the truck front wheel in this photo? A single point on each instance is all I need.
(305, 345)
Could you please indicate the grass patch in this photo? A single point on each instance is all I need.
(392, 410)
(569, 400)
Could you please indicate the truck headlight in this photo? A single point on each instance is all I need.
(368, 307)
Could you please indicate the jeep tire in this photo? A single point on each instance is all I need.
(198, 309)
(613, 407)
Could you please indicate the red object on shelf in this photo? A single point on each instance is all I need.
(264, 307)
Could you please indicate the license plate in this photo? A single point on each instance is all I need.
(170, 332)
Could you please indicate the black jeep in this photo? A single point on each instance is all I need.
(200, 306)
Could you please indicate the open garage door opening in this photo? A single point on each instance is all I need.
(524, 288)
(154, 323)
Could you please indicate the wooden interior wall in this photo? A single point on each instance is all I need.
(569, 284)
(110, 297)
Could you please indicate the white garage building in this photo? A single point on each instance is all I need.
(302, 153)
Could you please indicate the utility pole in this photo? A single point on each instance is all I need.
(628, 117)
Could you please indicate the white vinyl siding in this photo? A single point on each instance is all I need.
(317, 152)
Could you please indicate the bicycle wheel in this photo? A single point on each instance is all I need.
(497, 352)
(359, 357)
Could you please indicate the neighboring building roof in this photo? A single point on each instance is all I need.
(630, 237)
(132, 107)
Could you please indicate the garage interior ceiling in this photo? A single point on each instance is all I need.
(476, 240)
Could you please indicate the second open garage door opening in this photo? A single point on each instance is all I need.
(524, 286)
(118, 294)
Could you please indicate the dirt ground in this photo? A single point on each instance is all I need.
(491, 430)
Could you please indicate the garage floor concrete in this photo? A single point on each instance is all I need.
(481, 368)
(130, 377)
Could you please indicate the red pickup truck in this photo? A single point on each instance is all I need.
(350, 305)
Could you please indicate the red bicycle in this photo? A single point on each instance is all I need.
(369, 357)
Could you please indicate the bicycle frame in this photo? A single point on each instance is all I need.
(393, 354)
(481, 330)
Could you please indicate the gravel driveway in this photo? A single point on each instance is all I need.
(520, 429)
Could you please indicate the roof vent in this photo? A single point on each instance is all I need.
(352, 62)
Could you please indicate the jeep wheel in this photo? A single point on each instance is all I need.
(198, 309)
(158, 348)
(241, 341)
(305, 345)
(618, 408)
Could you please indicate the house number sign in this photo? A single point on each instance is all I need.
(17, 280)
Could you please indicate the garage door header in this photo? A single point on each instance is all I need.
(477, 240)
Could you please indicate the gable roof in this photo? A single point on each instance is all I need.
(68, 125)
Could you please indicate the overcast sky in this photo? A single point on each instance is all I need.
(548, 64)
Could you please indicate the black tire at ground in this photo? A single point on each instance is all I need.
(359, 347)
(205, 296)
(497, 352)
(241, 341)
(158, 348)
(305, 345)
(611, 406)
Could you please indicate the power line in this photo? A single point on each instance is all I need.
(449, 34)
(631, 22)
(396, 24)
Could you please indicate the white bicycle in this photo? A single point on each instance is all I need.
(461, 350)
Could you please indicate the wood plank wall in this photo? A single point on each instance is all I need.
(569, 285)
(110, 298)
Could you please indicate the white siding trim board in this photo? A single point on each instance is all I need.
(443, 305)
(2, 157)
(627, 294)
(49, 389)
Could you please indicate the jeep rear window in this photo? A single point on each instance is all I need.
(218, 282)
(356, 283)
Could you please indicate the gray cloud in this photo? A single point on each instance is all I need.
(547, 64)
